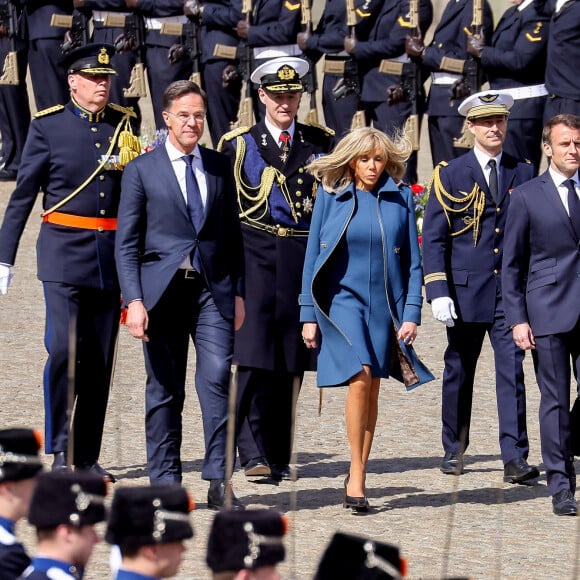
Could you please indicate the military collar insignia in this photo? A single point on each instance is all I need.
(300, 136)
(87, 115)
(264, 137)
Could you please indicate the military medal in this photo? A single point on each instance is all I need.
(308, 204)
(285, 138)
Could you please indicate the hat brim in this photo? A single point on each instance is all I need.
(482, 111)
(94, 71)
(284, 88)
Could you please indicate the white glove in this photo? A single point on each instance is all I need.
(444, 310)
(5, 278)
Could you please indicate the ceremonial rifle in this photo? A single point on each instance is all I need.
(410, 73)
(245, 55)
(78, 33)
(132, 38)
(351, 72)
(9, 24)
(310, 80)
(189, 33)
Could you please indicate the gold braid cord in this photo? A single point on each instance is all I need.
(257, 196)
(456, 205)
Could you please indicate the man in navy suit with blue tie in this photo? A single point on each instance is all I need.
(181, 269)
(541, 282)
(463, 237)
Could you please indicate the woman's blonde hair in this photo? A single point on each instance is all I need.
(334, 170)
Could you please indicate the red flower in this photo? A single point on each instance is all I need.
(417, 188)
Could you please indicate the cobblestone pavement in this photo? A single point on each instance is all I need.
(473, 525)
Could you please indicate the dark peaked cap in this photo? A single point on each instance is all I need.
(246, 539)
(157, 514)
(350, 557)
(90, 59)
(63, 497)
(19, 454)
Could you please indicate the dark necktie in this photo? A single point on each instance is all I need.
(573, 205)
(285, 138)
(194, 205)
(493, 187)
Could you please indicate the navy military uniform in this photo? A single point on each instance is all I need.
(463, 234)
(48, 78)
(449, 42)
(64, 498)
(386, 40)
(275, 199)
(68, 150)
(14, 110)
(122, 62)
(562, 79)
(328, 39)
(218, 24)
(515, 62)
(19, 461)
(148, 516)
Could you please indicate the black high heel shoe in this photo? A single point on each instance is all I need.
(357, 504)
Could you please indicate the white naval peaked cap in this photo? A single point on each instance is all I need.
(486, 104)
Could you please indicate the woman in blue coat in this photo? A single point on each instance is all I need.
(361, 290)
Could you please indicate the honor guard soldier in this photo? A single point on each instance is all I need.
(463, 234)
(64, 510)
(19, 466)
(275, 199)
(149, 525)
(14, 110)
(562, 79)
(446, 59)
(386, 45)
(515, 63)
(246, 545)
(75, 155)
(45, 41)
(353, 557)
(217, 20)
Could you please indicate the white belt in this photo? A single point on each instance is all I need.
(443, 78)
(401, 58)
(276, 51)
(157, 23)
(526, 92)
(101, 15)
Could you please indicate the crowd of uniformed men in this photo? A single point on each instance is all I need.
(93, 55)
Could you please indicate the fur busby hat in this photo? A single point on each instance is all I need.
(245, 540)
(142, 516)
(63, 497)
(19, 454)
(90, 59)
(352, 557)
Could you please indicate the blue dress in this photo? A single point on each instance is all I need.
(358, 296)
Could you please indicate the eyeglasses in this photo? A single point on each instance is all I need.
(184, 118)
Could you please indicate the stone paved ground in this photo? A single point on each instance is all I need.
(474, 524)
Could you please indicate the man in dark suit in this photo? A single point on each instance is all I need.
(180, 261)
(72, 154)
(541, 282)
(275, 200)
(462, 256)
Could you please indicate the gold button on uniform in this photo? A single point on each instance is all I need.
(496, 272)
(497, 230)
(98, 145)
(298, 204)
(301, 170)
(102, 194)
(102, 212)
(498, 209)
(298, 194)
(101, 178)
(495, 251)
(300, 181)
(100, 229)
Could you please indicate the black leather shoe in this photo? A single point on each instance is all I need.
(452, 464)
(564, 503)
(7, 175)
(281, 472)
(519, 471)
(96, 468)
(572, 475)
(59, 461)
(257, 467)
(216, 496)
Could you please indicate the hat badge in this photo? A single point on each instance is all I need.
(286, 73)
(488, 98)
(103, 56)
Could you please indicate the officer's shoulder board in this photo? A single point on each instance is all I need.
(231, 135)
(124, 110)
(330, 132)
(49, 111)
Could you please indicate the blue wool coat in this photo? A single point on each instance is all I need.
(403, 275)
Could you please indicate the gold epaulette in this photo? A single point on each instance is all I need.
(49, 111)
(230, 135)
(125, 110)
(330, 132)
